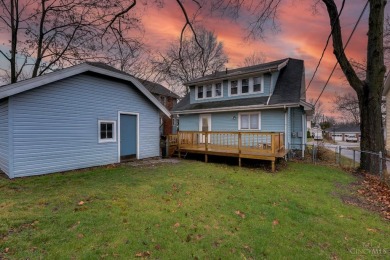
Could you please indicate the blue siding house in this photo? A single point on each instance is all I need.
(86, 115)
(268, 97)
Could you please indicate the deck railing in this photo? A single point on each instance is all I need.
(243, 142)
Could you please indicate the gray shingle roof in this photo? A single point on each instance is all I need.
(244, 70)
(287, 90)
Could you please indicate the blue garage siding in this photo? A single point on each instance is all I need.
(4, 144)
(55, 127)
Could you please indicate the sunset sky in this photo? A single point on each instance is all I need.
(301, 35)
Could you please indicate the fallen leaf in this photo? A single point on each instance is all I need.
(239, 213)
(177, 224)
(6, 249)
(81, 203)
(157, 247)
(371, 230)
(275, 222)
(188, 193)
(80, 235)
(143, 254)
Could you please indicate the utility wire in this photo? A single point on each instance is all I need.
(326, 46)
(349, 39)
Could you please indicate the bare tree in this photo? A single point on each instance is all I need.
(51, 34)
(348, 106)
(254, 59)
(178, 65)
(318, 115)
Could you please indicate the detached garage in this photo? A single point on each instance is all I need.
(83, 116)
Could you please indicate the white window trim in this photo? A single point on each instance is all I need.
(111, 140)
(230, 88)
(214, 90)
(262, 84)
(251, 84)
(213, 95)
(249, 113)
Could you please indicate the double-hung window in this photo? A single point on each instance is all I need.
(218, 89)
(233, 87)
(200, 91)
(107, 131)
(249, 121)
(209, 91)
(257, 84)
(244, 86)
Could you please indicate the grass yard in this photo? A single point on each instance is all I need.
(186, 210)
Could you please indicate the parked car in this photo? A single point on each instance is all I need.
(351, 138)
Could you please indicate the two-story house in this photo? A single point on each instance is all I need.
(251, 112)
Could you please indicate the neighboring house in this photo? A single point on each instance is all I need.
(169, 99)
(341, 132)
(268, 97)
(86, 115)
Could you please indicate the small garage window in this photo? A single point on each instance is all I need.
(107, 131)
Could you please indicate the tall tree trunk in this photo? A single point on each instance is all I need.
(369, 91)
(370, 100)
(14, 39)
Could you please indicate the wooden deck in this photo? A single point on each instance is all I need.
(252, 145)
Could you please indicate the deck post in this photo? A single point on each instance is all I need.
(239, 149)
(206, 147)
(273, 165)
(273, 143)
(178, 143)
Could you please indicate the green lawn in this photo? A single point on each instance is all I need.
(185, 211)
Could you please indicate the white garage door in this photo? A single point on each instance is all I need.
(337, 137)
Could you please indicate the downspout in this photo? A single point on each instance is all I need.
(285, 129)
(270, 94)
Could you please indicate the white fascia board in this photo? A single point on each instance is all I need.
(283, 64)
(32, 83)
(241, 108)
(25, 85)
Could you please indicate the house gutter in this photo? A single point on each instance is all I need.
(227, 76)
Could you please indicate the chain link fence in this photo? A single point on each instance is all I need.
(337, 155)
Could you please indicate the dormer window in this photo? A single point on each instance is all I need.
(257, 86)
(244, 86)
(200, 91)
(233, 87)
(218, 89)
(208, 91)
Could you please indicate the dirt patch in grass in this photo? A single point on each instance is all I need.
(367, 192)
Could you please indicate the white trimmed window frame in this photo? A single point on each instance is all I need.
(213, 91)
(250, 114)
(251, 84)
(107, 140)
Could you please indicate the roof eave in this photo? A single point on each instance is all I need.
(237, 108)
(22, 86)
(227, 76)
